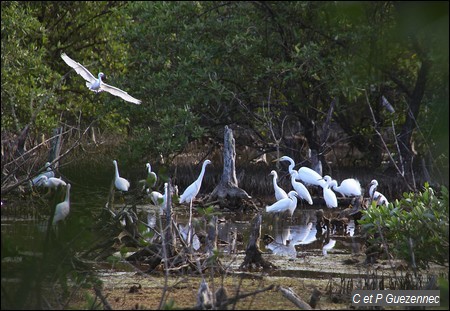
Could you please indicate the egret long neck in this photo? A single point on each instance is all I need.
(200, 177)
(117, 169)
(291, 165)
(372, 190)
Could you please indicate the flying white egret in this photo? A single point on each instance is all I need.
(190, 193)
(349, 187)
(310, 177)
(121, 183)
(62, 209)
(279, 192)
(38, 181)
(286, 204)
(97, 85)
(302, 192)
(375, 195)
(151, 176)
(328, 195)
(52, 182)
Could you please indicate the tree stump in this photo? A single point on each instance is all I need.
(227, 192)
(253, 255)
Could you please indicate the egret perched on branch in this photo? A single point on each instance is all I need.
(286, 204)
(95, 84)
(328, 195)
(62, 209)
(279, 192)
(37, 181)
(190, 193)
(349, 187)
(52, 182)
(301, 190)
(121, 183)
(375, 195)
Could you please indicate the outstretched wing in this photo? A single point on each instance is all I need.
(80, 69)
(118, 92)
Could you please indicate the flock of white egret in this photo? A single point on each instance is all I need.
(349, 187)
(284, 201)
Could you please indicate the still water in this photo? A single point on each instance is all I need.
(91, 186)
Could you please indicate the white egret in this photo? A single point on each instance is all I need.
(302, 192)
(62, 209)
(291, 165)
(156, 197)
(190, 193)
(159, 199)
(286, 204)
(38, 181)
(97, 85)
(328, 195)
(151, 176)
(279, 192)
(349, 187)
(52, 182)
(121, 183)
(375, 195)
(310, 177)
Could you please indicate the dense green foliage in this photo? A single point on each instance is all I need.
(272, 68)
(415, 228)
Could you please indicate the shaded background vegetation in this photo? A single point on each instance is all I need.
(271, 70)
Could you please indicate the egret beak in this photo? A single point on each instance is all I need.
(276, 160)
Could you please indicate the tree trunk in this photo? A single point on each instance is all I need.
(414, 101)
(228, 186)
(253, 255)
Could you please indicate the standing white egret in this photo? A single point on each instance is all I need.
(95, 84)
(52, 182)
(302, 192)
(151, 176)
(37, 181)
(286, 204)
(62, 209)
(310, 177)
(349, 187)
(121, 183)
(328, 195)
(279, 192)
(190, 193)
(291, 165)
(375, 195)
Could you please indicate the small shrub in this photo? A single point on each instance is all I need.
(415, 228)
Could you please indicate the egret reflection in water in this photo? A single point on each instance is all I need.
(285, 241)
